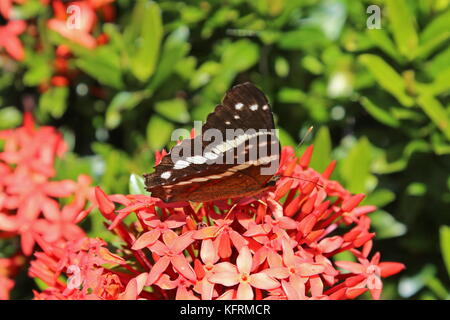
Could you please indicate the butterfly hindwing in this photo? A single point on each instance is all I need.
(247, 180)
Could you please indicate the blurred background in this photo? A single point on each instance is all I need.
(372, 77)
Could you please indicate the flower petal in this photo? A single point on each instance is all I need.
(244, 292)
(146, 239)
(227, 279)
(158, 268)
(183, 267)
(262, 280)
(244, 260)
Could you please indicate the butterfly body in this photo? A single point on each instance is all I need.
(228, 168)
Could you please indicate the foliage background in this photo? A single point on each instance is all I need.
(378, 99)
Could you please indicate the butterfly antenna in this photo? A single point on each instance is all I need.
(310, 129)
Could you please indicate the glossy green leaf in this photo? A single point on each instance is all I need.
(438, 288)
(441, 83)
(444, 233)
(382, 40)
(379, 113)
(123, 100)
(387, 78)
(54, 101)
(291, 95)
(304, 38)
(174, 49)
(386, 226)
(436, 27)
(137, 184)
(144, 36)
(103, 64)
(285, 138)
(355, 168)
(436, 112)
(380, 197)
(10, 117)
(403, 27)
(40, 69)
(321, 157)
(281, 67)
(409, 286)
(175, 110)
(240, 55)
(438, 63)
(159, 132)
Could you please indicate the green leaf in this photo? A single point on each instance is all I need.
(440, 144)
(436, 112)
(403, 27)
(438, 63)
(291, 95)
(441, 83)
(40, 284)
(383, 164)
(321, 157)
(431, 45)
(438, 288)
(379, 197)
(122, 101)
(409, 286)
(355, 168)
(174, 49)
(103, 64)
(112, 167)
(437, 26)
(10, 117)
(305, 38)
(285, 138)
(71, 166)
(379, 113)
(159, 132)
(281, 67)
(40, 69)
(444, 233)
(54, 101)
(387, 78)
(175, 110)
(416, 189)
(386, 226)
(144, 39)
(137, 184)
(381, 39)
(240, 55)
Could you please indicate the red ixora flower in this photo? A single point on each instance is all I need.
(29, 195)
(75, 20)
(9, 38)
(282, 245)
(279, 246)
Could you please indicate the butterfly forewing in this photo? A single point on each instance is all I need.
(226, 168)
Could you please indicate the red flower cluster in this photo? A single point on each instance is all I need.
(280, 246)
(28, 196)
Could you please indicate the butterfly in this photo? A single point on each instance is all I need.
(241, 161)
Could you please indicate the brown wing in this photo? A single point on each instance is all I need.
(246, 182)
(243, 107)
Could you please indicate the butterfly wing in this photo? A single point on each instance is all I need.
(248, 181)
(243, 107)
